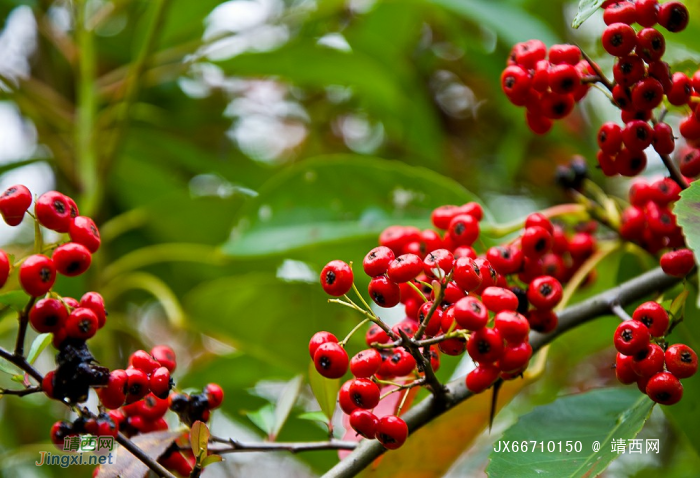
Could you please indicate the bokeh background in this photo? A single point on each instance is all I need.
(228, 150)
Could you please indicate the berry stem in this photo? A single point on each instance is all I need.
(21, 363)
(605, 249)
(20, 393)
(502, 230)
(293, 447)
(156, 467)
(352, 332)
(668, 162)
(617, 309)
(420, 292)
(603, 79)
(400, 387)
(23, 318)
(402, 403)
(436, 303)
(367, 313)
(423, 363)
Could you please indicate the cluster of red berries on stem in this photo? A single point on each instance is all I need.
(645, 358)
(455, 300)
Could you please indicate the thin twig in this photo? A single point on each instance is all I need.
(156, 467)
(22, 363)
(620, 312)
(23, 323)
(236, 446)
(424, 365)
(422, 413)
(20, 393)
(603, 79)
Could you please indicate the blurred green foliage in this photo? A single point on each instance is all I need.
(222, 182)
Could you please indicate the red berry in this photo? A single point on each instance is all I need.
(512, 326)
(681, 361)
(649, 361)
(647, 94)
(84, 231)
(152, 407)
(453, 347)
(630, 163)
(647, 12)
(14, 202)
(95, 302)
(485, 345)
(637, 135)
(660, 219)
(664, 142)
(391, 432)
(81, 324)
(137, 385)
(113, 395)
(433, 326)
(542, 321)
(384, 292)
(564, 54)
(689, 127)
(678, 263)
(318, 339)
(331, 360)
(681, 89)
(673, 16)
(47, 384)
(623, 369)
(619, 39)
(610, 138)
(538, 124)
(401, 363)
(497, 299)
(633, 222)
(442, 216)
(470, 313)
(620, 12)
(690, 162)
(4, 267)
(453, 293)
(160, 383)
(515, 82)
(71, 259)
(48, 315)
(555, 106)
(464, 229)
(364, 393)
(515, 357)
(336, 278)
(37, 275)
(404, 268)
(437, 264)
(142, 360)
(536, 241)
(564, 79)
(544, 292)
(528, 53)
(377, 261)
(376, 334)
(664, 388)
(505, 259)
(54, 211)
(163, 354)
(631, 337)
(467, 274)
(365, 363)
(482, 377)
(344, 400)
(628, 70)
(364, 423)
(215, 395)
(651, 44)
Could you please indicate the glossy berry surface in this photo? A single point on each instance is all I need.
(331, 360)
(391, 432)
(336, 278)
(37, 275)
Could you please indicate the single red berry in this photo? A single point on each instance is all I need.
(95, 302)
(485, 345)
(151, 408)
(59, 431)
(470, 313)
(452, 294)
(620, 12)
(647, 94)
(528, 53)
(681, 361)
(442, 216)
(673, 16)
(364, 393)
(81, 324)
(84, 231)
(482, 377)
(497, 299)
(438, 264)
(637, 135)
(53, 211)
(397, 237)
(633, 222)
(564, 54)
(515, 357)
(318, 339)
(690, 162)
(664, 388)
(365, 363)
(336, 278)
(376, 334)
(649, 361)
(664, 141)
(619, 39)
(628, 70)
(144, 361)
(71, 259)
(405, 268)
(48, 315)
(539, 219)
(331, 360)
(681, 89)
(647, 11)
(512, 326)
(384, 292)
(37, 275)
(689, 127)
(401, 362)
(631, 337)
(542, 321)
(540, 76)
(678, 263)
(47, 384)
(377, 261)
(137, 385)
(453, 347)
(435, 321)
(555, 106)
(606, 163)
(215, 395)
(536, 241)
(344, 400)
(651, 44)
(505, 259)
(467, 274)
(464, 229)
(623, 369)
(515, 82)
(14, 202)
(564, 79)
(661, 220)
(630, 163)
(544, 292)
(364, 423)
(392, 432)
(160, 383)
(538, 123)
(163, 354)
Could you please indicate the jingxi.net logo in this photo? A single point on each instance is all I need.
(86, 450)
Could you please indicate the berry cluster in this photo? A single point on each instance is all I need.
(457, 300)
(547, 88)
(645, 359)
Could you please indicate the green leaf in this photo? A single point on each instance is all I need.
(510, 22)
(314, 417)
(325, 390)
(6, 367)
(598, 416)
(687, 211)
(285, 403)
(38, 345)
(586, 8)
(263, 418)
(211, 459)
(199, 438)
(683, 415)
(15, 299)
(335, 198)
